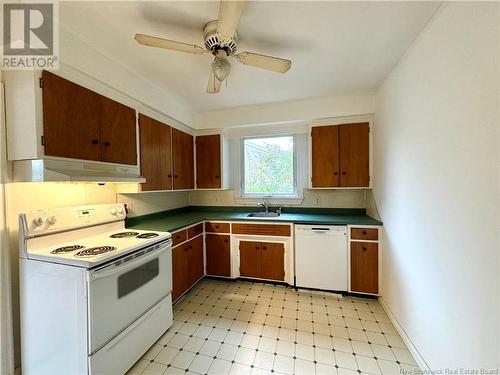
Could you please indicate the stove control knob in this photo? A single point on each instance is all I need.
(113, 211)
(120, 210)
(38, 221)
(51, 220)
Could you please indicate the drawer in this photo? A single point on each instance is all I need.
(217, 227)
(262, 229)
(370, 234)
(194, 231)
(179, 237)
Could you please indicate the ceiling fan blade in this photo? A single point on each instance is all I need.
(153, 41)
(264, 62)
(229, 16)
(213, 84)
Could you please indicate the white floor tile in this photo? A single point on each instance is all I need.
(239, 369)
(245, 356)
(193, 344)
(250, 341)
(178, 341)
(219, 367)
(304, 352)
(303, 367)
(155, 368)
(167, 355)
(267, 344)
(264, 360)
(285, 348)
(322, 369)
(201, 363)
(325, 356)
(367, 364)
(183, 359)
(283, 364)
(362, 348)
(210, 348)
(345, 360)
(227, 352)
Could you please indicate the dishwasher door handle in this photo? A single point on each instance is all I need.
(320, 229)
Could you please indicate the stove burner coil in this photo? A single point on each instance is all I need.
(124, 234)
(67, 249)
(148, 235)
(95, 251)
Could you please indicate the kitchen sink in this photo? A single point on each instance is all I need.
(264, 214)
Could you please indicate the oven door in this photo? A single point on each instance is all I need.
(120, 292)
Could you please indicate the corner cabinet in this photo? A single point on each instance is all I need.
(340, 156)
(211, 162)
(166, 155)
(50, 116)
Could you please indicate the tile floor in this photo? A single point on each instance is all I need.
(253, 328)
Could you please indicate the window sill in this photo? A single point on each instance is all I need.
(273, 201)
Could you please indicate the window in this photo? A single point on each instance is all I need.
(269, 166)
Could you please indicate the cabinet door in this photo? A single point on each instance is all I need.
(208, 162)
(70, 119)
(273, 261)
(250, 259)
(354, 155)
(364, 267)
(183, 160)
(325, 156)
(218, 250)
(179, 271)
(196, 269)
(118, 132)
(156, 154)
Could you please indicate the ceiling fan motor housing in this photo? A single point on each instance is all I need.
(215, 42)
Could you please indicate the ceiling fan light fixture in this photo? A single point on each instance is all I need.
(221, 66)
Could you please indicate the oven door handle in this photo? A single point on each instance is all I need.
(114, 269)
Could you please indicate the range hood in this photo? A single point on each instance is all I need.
(58, 169)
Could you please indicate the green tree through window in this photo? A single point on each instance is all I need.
(269, 166)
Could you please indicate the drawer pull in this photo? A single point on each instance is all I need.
(225, 240)
(264, 248)
(364, 232)
(363, 248)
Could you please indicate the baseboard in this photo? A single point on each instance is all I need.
(406, 339)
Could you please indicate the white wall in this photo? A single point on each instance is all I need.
(436, 185)
(299, 110)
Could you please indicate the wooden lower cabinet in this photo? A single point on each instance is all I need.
(272, 261)
(187, 266)
(250, 259)
(263, 260)
(218, 251)
(364, 267)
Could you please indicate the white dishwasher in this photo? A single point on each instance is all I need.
(321, 257)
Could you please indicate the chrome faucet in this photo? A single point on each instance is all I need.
(264, 204)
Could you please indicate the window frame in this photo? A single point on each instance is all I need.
(243, 194)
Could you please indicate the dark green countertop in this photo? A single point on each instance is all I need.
(173, 220)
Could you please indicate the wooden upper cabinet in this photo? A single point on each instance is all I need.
(81, 124)
(118, 132)
(340, 156)
(354, 155)
(208, 162)
(156, 154)
(70, 119)
(325, 156)
(183, 160)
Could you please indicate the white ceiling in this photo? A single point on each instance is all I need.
(336, 48)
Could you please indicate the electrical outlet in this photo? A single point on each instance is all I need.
(318, 201)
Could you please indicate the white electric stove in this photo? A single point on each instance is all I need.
(94, 295)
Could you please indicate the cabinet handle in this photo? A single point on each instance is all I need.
(344, 173)
(169, 176)
(186, 248)
(175, 176)
(257, 247)
(363, 248)
(335, 173)
(225, 240)
(107, 144)
(364, 232)
(216, 176)
(190, 247)
(264, 248)
(216, 227)
(95, 141)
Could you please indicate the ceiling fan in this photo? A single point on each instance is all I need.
(221, 41)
